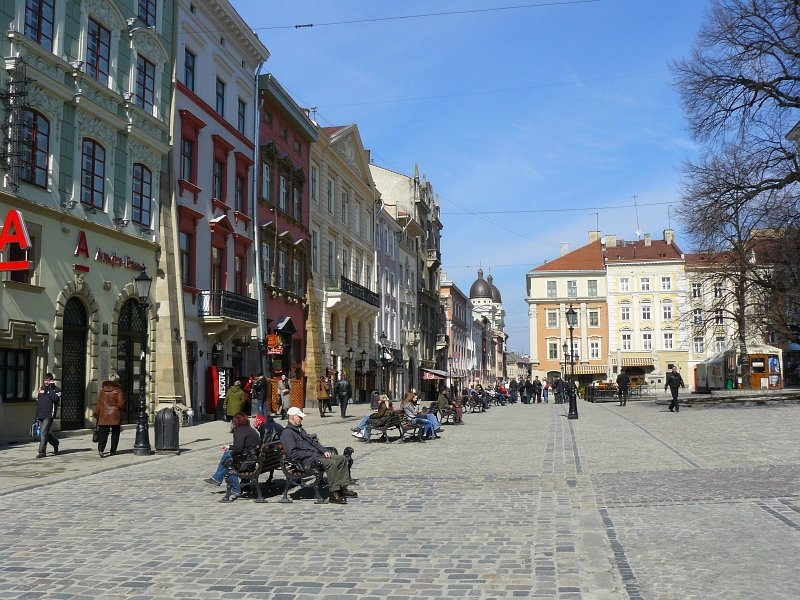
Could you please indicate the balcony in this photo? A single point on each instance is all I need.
(442, 341)
(433, 258)
(219, 305)
(351, 288)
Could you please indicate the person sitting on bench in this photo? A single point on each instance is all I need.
(245, 439)
(301, 447)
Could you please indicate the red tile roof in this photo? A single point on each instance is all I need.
(585, 258)
(639, 251)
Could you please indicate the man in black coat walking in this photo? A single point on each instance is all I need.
(46, 408)
(674, 381)
(623, 382)
(344, 391)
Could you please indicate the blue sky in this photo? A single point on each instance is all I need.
(566, 111)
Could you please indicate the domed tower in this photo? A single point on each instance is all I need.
(480, 290)
(495, 292)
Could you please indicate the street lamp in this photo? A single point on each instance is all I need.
(141, 446)
(384, 363)
(565, 352)
(572, 320)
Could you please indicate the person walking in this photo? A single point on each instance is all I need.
(343, 393)
(623, 382)
(46, 408)
(322, 395)
(545, 391)
(284, 395)
(513, 390)
(537, 390)
(234, 400)
(108, 412)
(331, 392)
(258, 393)
(674, 381)
(527, 393)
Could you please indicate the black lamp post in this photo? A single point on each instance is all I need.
(565, 351)
(572, 320)
(141, 446)
(384, 363)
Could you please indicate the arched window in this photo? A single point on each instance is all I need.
(142, 194)
(36, 148)
(93, 174)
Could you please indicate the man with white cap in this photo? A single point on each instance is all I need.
(300, 446)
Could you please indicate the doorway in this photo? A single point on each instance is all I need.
(129, 348)
(73, 360)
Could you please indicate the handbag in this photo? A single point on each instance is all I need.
(95, 433)
(36, 430)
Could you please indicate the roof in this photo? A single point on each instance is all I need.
(640, 250)
(480, 288)
(585, 258)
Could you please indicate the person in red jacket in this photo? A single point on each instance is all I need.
(108, 412)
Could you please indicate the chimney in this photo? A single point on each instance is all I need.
(594, 236)
(648, 239)
(564, 248)
(611, 241)
(669, 236)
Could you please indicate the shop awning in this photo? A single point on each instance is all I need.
(434, 374)
(589, 369)
(635, 361)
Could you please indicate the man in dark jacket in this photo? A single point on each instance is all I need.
(300, 446)
(537, 390)
(513, 390)
(674, 381)
(527, 391)
(46, 407)
(257, 394)
(343, 393)
(623, 382)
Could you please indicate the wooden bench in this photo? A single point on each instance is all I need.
(268, 459)
(442, 414)
(474, 405)
(303, 475)
(397, 420)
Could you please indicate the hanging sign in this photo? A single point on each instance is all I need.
(15, 232)
(274, 344)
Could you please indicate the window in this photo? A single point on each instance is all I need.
(699, 346)
(552, 318)
(594, 318)
(98, 51)
(552, 290)
(647, 341)
(35, 149)
(552, 350)
(625, 312)
(697, 316)
(216, 268)
(296, 283)
(15, 253)
(218, 177)
(697, 290)
(626, 341)
(220, 97)
(719, 318)
(645, 312)
(239, 281)
(314, 184)
(283, 193)
(188, 68)
(668, 341)
(330, 196)
(147, 12)
(331, 259)
(592, 288)
(572, 289)
(717, 290)
(297, 203)
(297, 147)
(282, 269)
(238, 198)
(266, 263)
(186, 244)
(266, 181)
(624, 284)
(666, 311)
(93, 174)
(345, 207)
(241, 116)
(594, 350)
(15, 374)
(345, 263)
(187, 160)
(719, 343)
(145, 84)
(666, 284)
(142, 194)
(39, 21)
(315, 251)
(283, 132)
(644, 284)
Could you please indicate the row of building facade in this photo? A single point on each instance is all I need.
(142, 135)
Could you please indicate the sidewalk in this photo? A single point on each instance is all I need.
(20, 469)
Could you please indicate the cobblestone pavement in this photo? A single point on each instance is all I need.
(632, 502)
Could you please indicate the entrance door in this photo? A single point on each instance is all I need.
(73, 359)
(129, 347)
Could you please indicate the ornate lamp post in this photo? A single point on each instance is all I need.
(384, 363)
(350, 353)
(565, 352)
(572, 320)
(141, 446)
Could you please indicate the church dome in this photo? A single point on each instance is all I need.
(495, 292)
(481, 287)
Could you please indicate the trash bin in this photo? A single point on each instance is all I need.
(167, 428)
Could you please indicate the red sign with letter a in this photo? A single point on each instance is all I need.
(15, 232)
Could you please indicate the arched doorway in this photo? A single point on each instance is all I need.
(129, 348)
(73, 361)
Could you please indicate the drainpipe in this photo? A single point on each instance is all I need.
(262, 325)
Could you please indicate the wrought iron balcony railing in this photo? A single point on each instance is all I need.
(351, 288)
(220, 303)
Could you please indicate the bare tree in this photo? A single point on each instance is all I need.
(741, 94)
